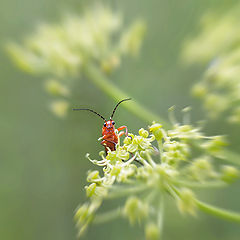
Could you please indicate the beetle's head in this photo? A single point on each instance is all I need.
(109, 124)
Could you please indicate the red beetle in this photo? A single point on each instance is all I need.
(109, 134)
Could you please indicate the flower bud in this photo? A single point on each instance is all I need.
(186, 202)
(132, 39)
(128, 140)
(90, 190)
(123, 154)
(54, 87)
(110, 64)
(229, 174)
(199, 90)
(92, 175)
(82, 213)
(135, 209)
(156, 130)
(59, 108)
(152, 232)
(115, 170)
(215, 144)
(143, 133)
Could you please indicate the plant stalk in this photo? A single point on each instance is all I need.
(101, 81)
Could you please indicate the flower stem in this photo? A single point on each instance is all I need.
(121, 192)
(210, 184)
(161, 213)
(218, 212)
(106, 217)
(225, 214)
(101, 81)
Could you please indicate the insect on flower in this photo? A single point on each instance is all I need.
(110, 135)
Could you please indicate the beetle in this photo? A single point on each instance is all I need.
(109, 134)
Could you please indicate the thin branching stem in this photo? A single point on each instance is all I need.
(101, 81)
(161, 213)
(215, 211)
(121, 192)
(218, 212)
(210, 184)
(106, 217)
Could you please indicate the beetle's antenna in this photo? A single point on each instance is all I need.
(118, 105)
(87, 109)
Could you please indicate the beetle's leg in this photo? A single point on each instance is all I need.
(122, 132)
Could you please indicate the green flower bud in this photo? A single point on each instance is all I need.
(156, 130)
(112, 156)
(122, 154)
(115, 170)
(144, 144)
(132, 38)
(165, 170)
(54, 87)
(202, 169)
(82, 213)
(186, 202)
(132, 148)
(215, 104)
(101, 154)
(215, 144)
(128, 140)
(143, 133)
(229, 174)
(135, 209)
(59, 108)
(110, 64)
(152, 232)
(92, 175)
(203, 164)
(126, 172)
(199, 90)
(90, 190)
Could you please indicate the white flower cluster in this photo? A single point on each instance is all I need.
(144, 174)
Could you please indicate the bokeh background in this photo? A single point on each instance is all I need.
(42, 158)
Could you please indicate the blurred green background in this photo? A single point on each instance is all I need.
(43, 165)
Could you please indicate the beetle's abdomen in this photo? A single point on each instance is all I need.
(110, 141)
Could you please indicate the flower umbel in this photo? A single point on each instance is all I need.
(63, 51)
(145, 175)
(217, 44)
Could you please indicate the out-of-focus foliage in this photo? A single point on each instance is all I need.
(62, 50)
(218, 44)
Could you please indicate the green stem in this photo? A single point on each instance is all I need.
(211, 184)
(101, 81)
(161, 213)
(106, 217)
(215, 211)
(117, 192)
(227, 215)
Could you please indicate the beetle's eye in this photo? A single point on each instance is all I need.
(104, 124)
(113, 122)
